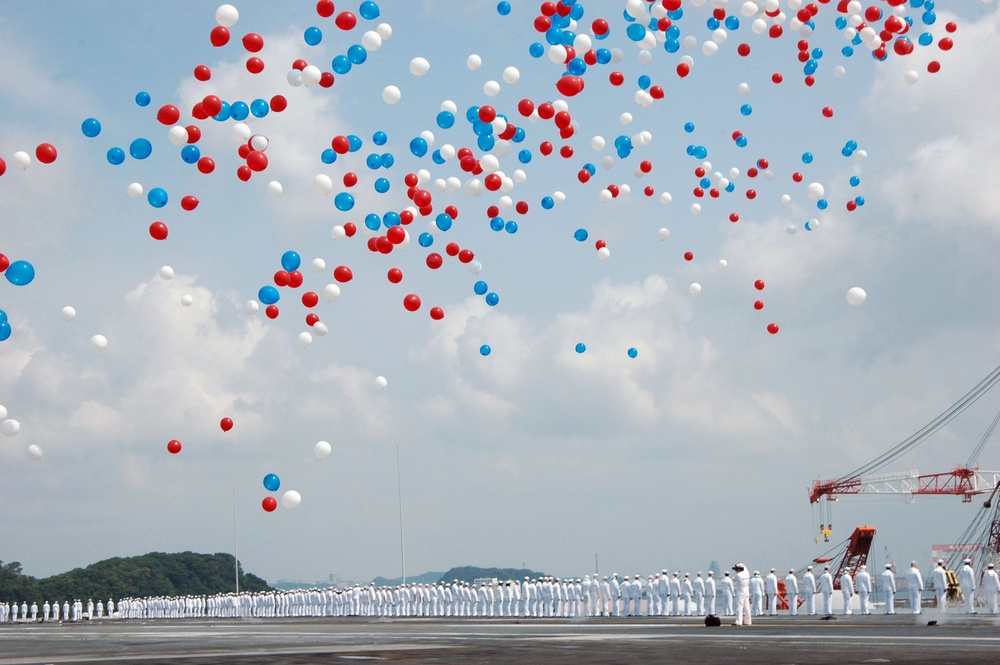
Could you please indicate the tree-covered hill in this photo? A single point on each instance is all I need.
(153, 574)
(471, 573)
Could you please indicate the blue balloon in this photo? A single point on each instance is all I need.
(20, 273)
(425, 239)
(418, 146)
(732, 23)
(741, 141)
(140, 149)
(91, 127)
(436, 156)
(496, 223)
(225, 114)
(116, 156)
(807, 158)
(239, 111)
(645, 82)
(510, 226)
(688, 127)
(576, 67)
(492, 299)
(354, 142)
(633, 352)
(603, 55)
(328, 156)
(268, 295)
(391, 218)
(822, 204)
(388, 160)
(443, 221)
(143, 99)
(291, 261)
(344, 202)
(503, 8)
(581, 235)
(382, 185)
(636, 32)
(259, 108)
(855, 181)
(548, 202)
(536, 50)
(190, 154)
(4, 331)
(524, 156)
(357, 54)
(581, 347)
(485, 350)
(341, 64)
(313, 36)
(3, 316)
(272, 482)
(486, 143)
(379, 138)
(157, 197)
(369, 10)
(480, 288)
(374, 161)
(746, 109)
(519, 135)
(372, 221)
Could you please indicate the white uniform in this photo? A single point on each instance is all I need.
(967, 580)
(771, 584)
(688, 591)
(991, 588)
(939, 581)
(710, 593)
(915, 585)
(826, 588)
(727, 595)
(889, 589)
(743, 597)
(757, 594)
(699, 594)
(792, 593)
(847, 590)
(863, 581)
(809, 590)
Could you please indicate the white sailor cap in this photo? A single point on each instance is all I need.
(809, 567)
(826, 567)
(990, 565)
(772, 570)
(967, 561)
(888, 565)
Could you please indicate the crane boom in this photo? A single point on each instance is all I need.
(962, 481)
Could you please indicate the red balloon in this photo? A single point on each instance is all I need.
(437, 313)
(244, 151)
(452, 249)
(525, 107)
(395, 275)
(257, 160)
(270, 504)
(351, 228)
(219, 36)
(688, 256)
(411, 302)
(570, 85)
(169, 114)
(173, 446)
(546, 111)
(202, 73)
(312, 318)
(279, 103)
(545, 148)
(255, 65)
(310, 298)
(434, 260)
(616, 78)
(206, 165)
(340, 144)
(295, 279)
(599, 26)
(326, 80)
(199, 112)
(487, 113)
(759, 304)
(772, 328)
(396, 234)
(422, 198)
(683, 69)
(521, 208)
(45, 153)
(281, 278)
(253, 42)
(4, 263)
(3, 166)
(194, 133)
(271, 311)
(827, 111)
(158, 230)
(466, 256)
(211, 105)
(350, 179)
(189, 202)
(346, 20)
(759, 285)
(343, 273)
(244, 173)
(226, 424)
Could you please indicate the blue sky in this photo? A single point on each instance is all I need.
(699, 448)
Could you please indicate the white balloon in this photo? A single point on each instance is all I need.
(305, 339)
(67, 313)
(227, 15)
(695, 208)
(491, 88)
(603, 253)
(391, 94)
(856, 295)
(371, 41)
(663, 234)
(291, 499)
(318, 265)
(723, 263)
(21, 160)
(384, 31)
(320, 329)
(449, 106)
(166, 273)
(311, 75)
(419, 66)
(252, 307)
(322, 449)
(3, 412)
(259, 142)
(380, 383)
(35, 452)
(744, 88)
(695, 288)
(475, 266)
(274, 188)
(331, 292)
(134, 190)
(815, 191)
(338, 232)
(186, 300)
(512, 75)
(791, 229)
(178, 135)
(473, 62)
(242, 132)
(911, 77)
(294, 78)
(322, 184)
(98, 342)
(10, 427)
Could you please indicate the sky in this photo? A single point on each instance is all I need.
(701, 447)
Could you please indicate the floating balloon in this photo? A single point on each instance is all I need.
(91, 127)
(226, 424)
(20, 273)
(272, 482)
(35, 452)
(67, 313)
(380, 383)
(322, 450)
(485, 350)
(633, 352)
(581, 347)
(269, 504)
(291, 261)
(291, 499)
(45, 153)
(98, 342)
(10, 427)
(856, 295)
(173, 446)
(166, 273)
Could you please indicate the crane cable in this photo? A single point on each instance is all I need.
(930, 428)
(982, 442)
